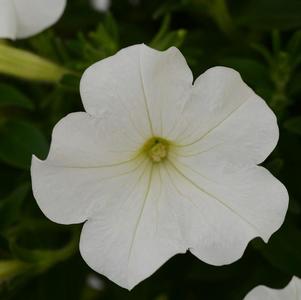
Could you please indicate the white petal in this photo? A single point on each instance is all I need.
(69, 195)
(113, 86)
(226, 119)
(132, 237)
(36, 15)
(83, 140)
(8, 21)
(221, 217)
(291, 292)
(167, 85)
(84, 152)
(145, 85)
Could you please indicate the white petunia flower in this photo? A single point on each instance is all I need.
(101, 5)
(158, 165)
(291, 292)
(24, 18)
(95, 283)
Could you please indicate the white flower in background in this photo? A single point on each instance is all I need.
(24, 18)
(158, 165)
(95, 283)
(101, 5)
(291, 292)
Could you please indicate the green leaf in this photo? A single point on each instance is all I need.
(10, 206)
(173, 38)
(293, 125)
(10, 96)
(166, 38)
(70, 82)
(162, 31)
(19, 140)
(269, 14)
(294, 43)
(106, 35)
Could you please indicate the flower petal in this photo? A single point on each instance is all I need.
(146, 85)
(167, 83)
(113, 86)
(8, 26)
(221, 217)
(225, 118)
(80, 140)
(68, 195)
(132, 237)
(290, 292)
(84, 152)
(36, 15)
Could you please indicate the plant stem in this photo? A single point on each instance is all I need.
(219, 11)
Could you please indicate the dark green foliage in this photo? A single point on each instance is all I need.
(19, 140)
(12, 97)
(259, 38)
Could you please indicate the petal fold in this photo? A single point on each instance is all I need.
(226, 119)
(167, 82)
(89, 188)
(131, 238)
(148, 86)
(85, 153)
(221, 217)
(85, 141)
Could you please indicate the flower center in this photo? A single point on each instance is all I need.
(156, 149)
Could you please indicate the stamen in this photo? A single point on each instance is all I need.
(156, 149)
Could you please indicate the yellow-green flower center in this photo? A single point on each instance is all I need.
(156, 149)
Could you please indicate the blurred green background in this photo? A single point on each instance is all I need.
(259, 38)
